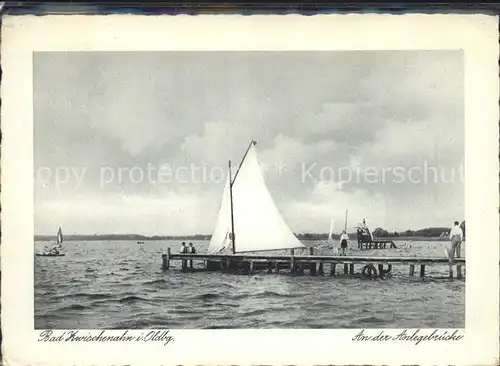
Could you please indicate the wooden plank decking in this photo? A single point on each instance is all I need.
(309, 258)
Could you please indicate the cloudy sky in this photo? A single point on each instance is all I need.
(139, 142)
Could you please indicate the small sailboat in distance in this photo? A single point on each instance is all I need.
(248, 219)
(329, 242)
(330, 234)
(54, 251)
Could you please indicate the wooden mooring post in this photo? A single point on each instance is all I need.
(459, 271)
(312, 268)
(422, 270)
(312, 265)
(293, 266)
(412, 269)
(269, 267)
(166, 260)
(333, 268)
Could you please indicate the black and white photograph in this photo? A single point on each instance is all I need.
(308, 189)
(207, 188)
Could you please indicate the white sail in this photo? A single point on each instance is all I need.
(258, 224)
(59, 239)
(221, 236)
(330, 239)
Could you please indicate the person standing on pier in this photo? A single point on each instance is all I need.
(192, 250)
(366, 230)
(456, 236)
(343, 242)
(183, 250)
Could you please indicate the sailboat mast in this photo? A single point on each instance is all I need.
(345, 222)
(232, 216)
(242, 160)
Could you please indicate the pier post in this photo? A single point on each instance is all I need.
(269, 267)
(277, 267)
(292, 262)
(351, 268)
(300, 268)
(412, 269)
(312, 268)
(166, 260)
(450, 271)
(252, 266)
(422, 270)
(345, 268)
(333, 267)
(320, 269)
(459, 271)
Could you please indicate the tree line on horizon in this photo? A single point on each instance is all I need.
(432, 232)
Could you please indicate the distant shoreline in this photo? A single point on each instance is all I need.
(135, 237)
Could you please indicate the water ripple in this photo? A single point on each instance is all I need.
(116, 285)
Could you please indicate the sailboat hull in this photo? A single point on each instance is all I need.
(49, 255)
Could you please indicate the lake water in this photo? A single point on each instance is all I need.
(120, 285)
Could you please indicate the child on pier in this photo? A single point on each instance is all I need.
(343, 242)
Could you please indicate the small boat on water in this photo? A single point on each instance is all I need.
(140, 242)
(50, 255)
(329, 243)
(54, 251)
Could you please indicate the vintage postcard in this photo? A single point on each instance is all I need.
(250, 190)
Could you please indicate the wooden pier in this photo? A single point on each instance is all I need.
(366, 266)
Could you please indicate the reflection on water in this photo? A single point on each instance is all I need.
(120, 284)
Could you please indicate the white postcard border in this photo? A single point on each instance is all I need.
(476, 35)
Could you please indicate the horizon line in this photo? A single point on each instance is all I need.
(209, 234)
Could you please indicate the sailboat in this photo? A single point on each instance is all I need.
(329, 242)
(54, 252)
(248, 219)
